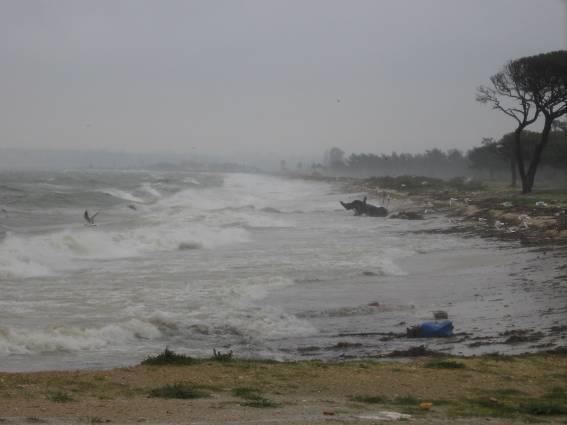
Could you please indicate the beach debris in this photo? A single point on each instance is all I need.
(482, 220)
(517, 336)
(384, 415)
(385, 198)
(363, 208)
(452, 201)
(540, 204)
(341, 345)
(498, 224)
(417, 351)
(425, 405)
(467, 200)
(407, 215)
(524, 218)
(507, 204)
(440, 314)
(437, 329)
(424, 183)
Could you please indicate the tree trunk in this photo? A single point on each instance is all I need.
(536, 158)
(520, 158)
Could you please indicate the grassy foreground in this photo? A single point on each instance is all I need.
(531, 388)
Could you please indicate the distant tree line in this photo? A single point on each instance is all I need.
(528, 90)
(433, 163)
(495, 156)
(495, 159)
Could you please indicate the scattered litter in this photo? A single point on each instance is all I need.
(482, 220)
(498, 224)
(425, 405)
(384, 416)
(507, 204)
(440, 314)
(540, 204)
(419, 351)
(451, 201)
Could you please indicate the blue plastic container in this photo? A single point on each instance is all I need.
(440, 328)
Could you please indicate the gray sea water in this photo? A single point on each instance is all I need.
(265, 266)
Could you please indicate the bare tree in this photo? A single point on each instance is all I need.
(508, 95)
(545, 77)
(525, 89)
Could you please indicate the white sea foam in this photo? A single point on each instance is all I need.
(217, 266)
(57, 339)
(117, 193)
(37, 255)
(148, 188)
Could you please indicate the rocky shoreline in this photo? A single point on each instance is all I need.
(539, 219)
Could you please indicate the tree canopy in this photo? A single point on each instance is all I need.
(526, 89)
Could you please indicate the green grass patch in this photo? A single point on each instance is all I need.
(406, 400)
(497, 357)
(506, 392)
(253, 397)
(179, 390)
(444, 364)
(543, 408)
(59, 397)
(510, 404)
(169, 357)
(369, 399)
(556, 393)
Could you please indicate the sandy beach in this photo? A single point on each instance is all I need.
(461, 390)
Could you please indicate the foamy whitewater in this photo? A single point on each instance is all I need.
(264, 266)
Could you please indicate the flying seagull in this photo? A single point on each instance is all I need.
(90, 219)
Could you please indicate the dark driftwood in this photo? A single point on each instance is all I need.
(362, 208)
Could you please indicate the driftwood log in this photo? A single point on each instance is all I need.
(363, 208)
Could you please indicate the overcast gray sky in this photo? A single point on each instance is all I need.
(261, 76)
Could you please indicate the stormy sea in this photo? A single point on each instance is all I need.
(264, 266)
